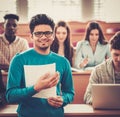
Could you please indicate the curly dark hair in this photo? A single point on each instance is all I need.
(115, 41)
(11, 16)
(40, 19)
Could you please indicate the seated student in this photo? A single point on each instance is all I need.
(61, 43)
(10, 44)
(108, 71)
(93, 50)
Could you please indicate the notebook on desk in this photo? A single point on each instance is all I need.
(106, 96)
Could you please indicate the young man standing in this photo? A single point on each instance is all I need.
(41, 27)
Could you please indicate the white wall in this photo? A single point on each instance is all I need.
(112, 10)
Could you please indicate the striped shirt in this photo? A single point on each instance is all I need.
(8, 50)
(117, 77)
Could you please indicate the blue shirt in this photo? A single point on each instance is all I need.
(84, 50)
(17, 92)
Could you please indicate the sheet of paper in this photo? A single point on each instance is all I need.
(33, 73)
(76, 70)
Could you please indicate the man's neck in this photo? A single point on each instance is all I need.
(116, 68)
(10, 38)
(43, 51)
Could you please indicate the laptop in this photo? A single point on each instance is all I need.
(106, 96)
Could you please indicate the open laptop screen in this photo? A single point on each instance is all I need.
(106, 96)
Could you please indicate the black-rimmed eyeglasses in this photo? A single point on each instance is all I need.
(40, 34)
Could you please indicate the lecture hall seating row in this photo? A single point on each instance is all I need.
(77, 30)
(80, 80)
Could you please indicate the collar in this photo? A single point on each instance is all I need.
(7, 42)
(87, 42)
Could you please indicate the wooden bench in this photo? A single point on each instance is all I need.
(80, 80)
(77, 30)
(71, 110)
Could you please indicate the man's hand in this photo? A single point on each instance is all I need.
(55, 101)
(46, 81)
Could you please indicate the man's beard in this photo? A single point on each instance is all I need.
(43, 48)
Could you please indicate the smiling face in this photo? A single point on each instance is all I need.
(61, 34)
(94, 36)
(42, 44)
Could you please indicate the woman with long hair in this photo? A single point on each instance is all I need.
(61, 43)
(94, 49)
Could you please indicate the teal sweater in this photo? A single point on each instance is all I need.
(17, 92)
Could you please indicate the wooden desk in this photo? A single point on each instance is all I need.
(83, 110)
(71, 110)
(80, 80)
(8, 111)
(4, 77)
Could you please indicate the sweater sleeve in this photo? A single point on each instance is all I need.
(94, 79)
(16, 90)
(67, 87)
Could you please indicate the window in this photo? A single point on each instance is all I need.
(68, 10)
(98, 9)
(106, 10)
(7, 6)
(57, 9)
(112, 8)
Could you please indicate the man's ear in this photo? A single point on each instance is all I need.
(31, 36)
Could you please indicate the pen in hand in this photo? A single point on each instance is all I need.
(84, 62)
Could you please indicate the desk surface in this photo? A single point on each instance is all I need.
(8, 111)
(71, 110)
(80, 80)
(81, 72)
(84, 109)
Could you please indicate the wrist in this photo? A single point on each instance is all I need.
(82, 65)
(36, 88)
